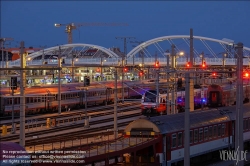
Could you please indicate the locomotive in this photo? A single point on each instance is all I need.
(212, 96)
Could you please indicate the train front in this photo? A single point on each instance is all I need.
(148, 103)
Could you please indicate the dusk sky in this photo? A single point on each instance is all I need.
(33, 22)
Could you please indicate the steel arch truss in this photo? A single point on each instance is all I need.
(72, 51)
(155, 41)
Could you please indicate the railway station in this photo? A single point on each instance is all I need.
(128, 108)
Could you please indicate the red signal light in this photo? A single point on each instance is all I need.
(204, 64)
(125, 69)
(247, 75)
(188, 64)
(141, 73)
(98, 70)
(214, 74)
(157, 64)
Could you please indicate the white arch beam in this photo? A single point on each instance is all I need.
(39, 53)
(159, 39)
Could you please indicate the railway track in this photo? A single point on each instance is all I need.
(61, 128)
(42, 120)
(74, 112)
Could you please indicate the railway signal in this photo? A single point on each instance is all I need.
(188, 64)
(98, 69)
(141, 73)
(125, 69)
(204, 65)
(246, 75)
(157, 64)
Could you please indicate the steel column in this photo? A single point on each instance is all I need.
(239, 105)
(22, 95)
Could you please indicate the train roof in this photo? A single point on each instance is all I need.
(7, 147)
(171, 123)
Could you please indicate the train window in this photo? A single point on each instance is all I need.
(223, 130)
(245, 124)
(9, 101)
(215, 131)
(210, 132)
(191, 136)
(205, 134)
(63, 97)
(179, 139)
(249, 123)
(173, 140)
(27, 100)
(18, 101)
(168, 143)
(201, 134)
(219, 130)
(195, 135)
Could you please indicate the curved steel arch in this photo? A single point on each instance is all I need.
(39, 53)
(152, 41)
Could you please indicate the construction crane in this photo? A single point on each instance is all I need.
(71, 26)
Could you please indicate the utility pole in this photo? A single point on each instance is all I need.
(187, 121)
(173, 56)
(22, 95)
(167, 77)
(59, 81)
(2, 40)
(239, 105)
(191, 48)
(188, 104)
(12, 93)
(123, 59)
(115, 106)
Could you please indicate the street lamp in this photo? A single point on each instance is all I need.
(102, 61)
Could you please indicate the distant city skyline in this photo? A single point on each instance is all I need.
(33, 22)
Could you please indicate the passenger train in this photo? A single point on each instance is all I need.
(210, 131)
(211, 96)
(41, 99)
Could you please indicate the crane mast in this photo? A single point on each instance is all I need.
(69, 28)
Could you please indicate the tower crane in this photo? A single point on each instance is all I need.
(69, 28)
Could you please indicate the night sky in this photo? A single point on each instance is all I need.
(33, 22)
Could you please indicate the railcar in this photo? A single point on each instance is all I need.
(211, 96)
(41, 99)
(210, 131)
(149, 104)
(218, 96)
(46, 99)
